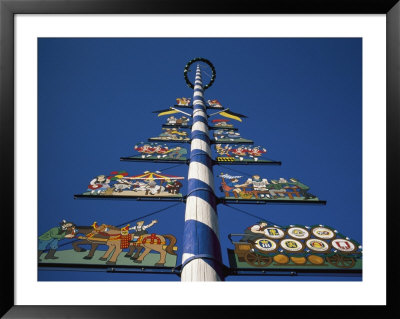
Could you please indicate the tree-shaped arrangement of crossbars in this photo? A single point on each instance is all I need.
(264, 245)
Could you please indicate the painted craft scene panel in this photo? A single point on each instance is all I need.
(105, 245)
(153, 151)
(148, 184)
(183, 101)
(224, 136)
(172, 134)
(261, 188)
(240, 153)
(296, 246)
(217, 124)
(176, 121)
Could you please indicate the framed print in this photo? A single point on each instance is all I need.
(278, 119)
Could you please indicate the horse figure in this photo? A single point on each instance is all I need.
(155, 242)
(94, 241)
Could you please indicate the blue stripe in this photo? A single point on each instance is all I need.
(198, 90)
(200, 239)
(202, 190)
(201, 136)
(210, 260)
(202, 157)
(200, 107)
(198, 98)
(199, 118)
(197, 152)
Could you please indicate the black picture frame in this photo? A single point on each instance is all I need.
(9, 8)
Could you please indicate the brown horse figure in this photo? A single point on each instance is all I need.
(112, 237)
(95, 241)
(156, 242)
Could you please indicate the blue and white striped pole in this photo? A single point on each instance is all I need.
(201, 258)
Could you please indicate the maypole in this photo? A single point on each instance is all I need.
(201, 260)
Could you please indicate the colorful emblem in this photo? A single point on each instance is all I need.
(317, 245)
(343, 245)
(291, 245)
(274, 233)
(265, 244)
(298, 232)
(323, 232)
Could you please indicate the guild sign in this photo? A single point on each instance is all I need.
(317, 245)
(265, 244)
(274, 233)
(299, 233)
(343, 245)
(322, 232)
(291, 245)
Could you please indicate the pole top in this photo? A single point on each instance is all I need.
(185, 71)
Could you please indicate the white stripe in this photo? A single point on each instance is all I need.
(197, 87)
(199, 112)
(200, 126)
(186, 256)
(197, 93)
(199, 210)
(201, 172)
(198, 102)
(199, 270)
(198, 144)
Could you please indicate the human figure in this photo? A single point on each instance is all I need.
(99, 184)
(223, 150)
(240, 152)
(171, 120)
(214, 103)
(50, 238)
(139, 230)
(254, 232)
(161, 151)
(256, 152)
(173, 186)
(259, 185)
(276, 189)
(153, 188)
(183, 101)
(231, 185)
(145, 149)
(182, 121)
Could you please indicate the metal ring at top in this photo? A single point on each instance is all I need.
(185, 71)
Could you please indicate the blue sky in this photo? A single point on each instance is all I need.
(303, 99)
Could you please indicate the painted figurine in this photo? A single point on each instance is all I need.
(99, 185)
(50, 238)
(254, 232)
